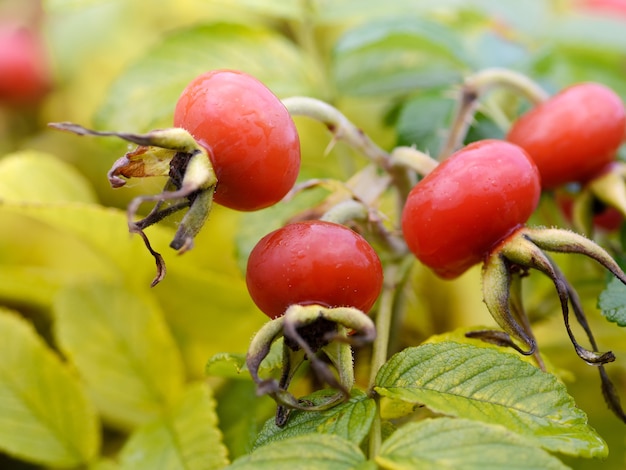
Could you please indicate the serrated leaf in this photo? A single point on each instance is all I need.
(119, 342)
(434, 444)
(487, 385)
(397, 55)
(32, 176)
(144, 96)
(186, 437)
(308, 452)
(612, 302)
(45, 415)
(233, 366)
(350, 420)
(227, 365)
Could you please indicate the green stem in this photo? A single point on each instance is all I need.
(477, 86)
(384, 318)
(412, 158)
(343, 129)
(375, 436)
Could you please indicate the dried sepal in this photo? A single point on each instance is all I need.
(309, 332)
(566, 241)
(496, 277)
(522, 250)
(508, 262)
(169, 152)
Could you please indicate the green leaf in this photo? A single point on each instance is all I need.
(490, 386)
(45, 415)
(459, 443)
(32, 176)
(275, 8)
(144, 96)
(308, 452)
(397, 55)
(350, 420)
(186, 437)
(612, 302)
(48, 247)
(233, 366)
(422, 119)
(204, 294)
(227, 365)
(121, 345)
(241, 413)
(602, 34)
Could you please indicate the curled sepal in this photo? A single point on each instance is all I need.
(566, 241)
(169, 152)
(521, 249)
(309, 331)
(496, 294)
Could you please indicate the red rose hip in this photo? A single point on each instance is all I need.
(573, 135)
(249, 134)
(471, 201)
(313, 262)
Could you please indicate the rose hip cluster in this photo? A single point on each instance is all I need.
(474, 206)
(318, 279)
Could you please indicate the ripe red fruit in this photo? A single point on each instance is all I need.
(573, 135)
(249, 135)
(313, 262)
(24, 75)
(471, 201)
(615, 8)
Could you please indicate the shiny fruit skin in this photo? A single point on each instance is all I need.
(313, 262)
(471, 201)
(573, 135)
(251, 138)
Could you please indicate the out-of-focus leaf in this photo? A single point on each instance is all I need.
(564, 66)
(186, 436)
(602, 34)
(37, 259)
(308, 452)
(490, 386)
(398, 55)
(45, 415)
(32, 176)
(612, 302)
(274, 8)
(121, 346)
(434, 444)
(350, 420)
(144, 96)
(423, 119)
(47, 247)
(495, 50)
(203, 295)
(104, 464)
